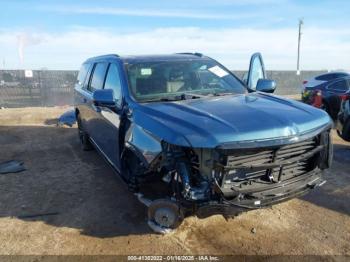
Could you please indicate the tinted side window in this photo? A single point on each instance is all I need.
(82, 74)
(338, 75)
(98, 76)
(113, 82)
(339, 86)
(326, 77)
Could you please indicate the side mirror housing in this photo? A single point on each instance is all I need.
(266, 85)
(103, 97)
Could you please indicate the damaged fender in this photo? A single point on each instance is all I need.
(143, 144)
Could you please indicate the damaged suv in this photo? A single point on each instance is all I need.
(188, 137)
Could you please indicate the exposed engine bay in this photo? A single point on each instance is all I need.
(174, 181)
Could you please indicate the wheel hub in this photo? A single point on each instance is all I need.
(165, 217)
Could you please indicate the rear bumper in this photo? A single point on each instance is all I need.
(306, 96)
(273, 194)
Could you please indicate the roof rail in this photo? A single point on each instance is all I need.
(109, 55)
(189, 53)
(103, 56)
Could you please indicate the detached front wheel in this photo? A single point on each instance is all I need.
(164, 215)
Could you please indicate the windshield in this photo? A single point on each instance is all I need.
(174, 80)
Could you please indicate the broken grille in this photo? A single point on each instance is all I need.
(275, 164)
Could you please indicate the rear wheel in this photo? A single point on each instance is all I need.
(332, 106)
(326, 108)
(83, 136)
(346, 131)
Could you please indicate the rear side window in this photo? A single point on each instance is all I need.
(98, 76)
(340, 86)
(326, 77)
(84, 69)
(113, 82)
(329, 77)
(338, 75)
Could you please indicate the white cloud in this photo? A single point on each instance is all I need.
(168, 13)
(321, 48)
(239, 2)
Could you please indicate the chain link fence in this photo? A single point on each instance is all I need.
(55, 88)
(43, 88)
(288, 83)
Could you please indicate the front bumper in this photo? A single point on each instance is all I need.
(264, 197)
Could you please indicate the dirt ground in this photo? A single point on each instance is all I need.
(90, 211)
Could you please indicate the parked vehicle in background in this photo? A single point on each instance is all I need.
(188, 137)
(343, 123)
(320, 79)
(327, 95)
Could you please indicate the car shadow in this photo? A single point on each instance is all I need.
(65, 186)
(51, 122)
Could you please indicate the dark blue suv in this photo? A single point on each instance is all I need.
(343, 121)
(189, 137)
(327, 95)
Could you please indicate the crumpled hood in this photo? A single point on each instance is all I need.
(212, 121)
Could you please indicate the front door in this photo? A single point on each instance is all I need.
(110, 123)
(104, 125)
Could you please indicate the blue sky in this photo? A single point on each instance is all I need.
(61, 34)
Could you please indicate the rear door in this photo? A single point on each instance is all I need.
(333, 93)
(338, 87)
(81, 95)
(256, 71)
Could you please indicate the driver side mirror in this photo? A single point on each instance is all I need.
(266, 85)
(103, 97)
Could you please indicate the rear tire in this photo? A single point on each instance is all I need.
(332, 106)
(326, 108)
(83, 136)
(346, 131)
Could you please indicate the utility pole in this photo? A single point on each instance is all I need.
(301, 22)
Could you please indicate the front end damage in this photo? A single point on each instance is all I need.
(175, 181)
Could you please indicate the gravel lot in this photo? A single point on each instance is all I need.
(92, 212)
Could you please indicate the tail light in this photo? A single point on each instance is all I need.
(345, 97)
(317, 99)
(304, 82)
